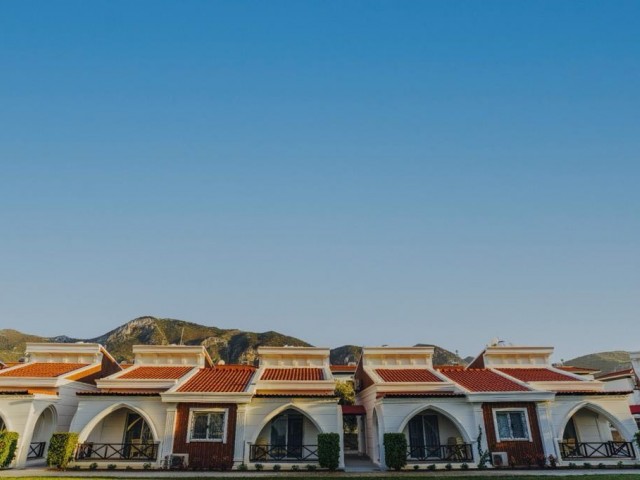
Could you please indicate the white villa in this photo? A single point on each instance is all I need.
(173, 407)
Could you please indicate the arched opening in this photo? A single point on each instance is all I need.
(122, 435)
(290, 436)
(44, 428)
(592, 433)
(434, 437)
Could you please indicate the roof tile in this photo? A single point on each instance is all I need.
(304, 374)
(413, 375)
(537, 375)
(220, 379)
(156, 373)
(482, 380)
(42, 370)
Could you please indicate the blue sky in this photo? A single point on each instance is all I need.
(345, 172)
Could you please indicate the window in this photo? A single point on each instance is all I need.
(287, 434)
(424, 437)
(207, 425)
(511, 424)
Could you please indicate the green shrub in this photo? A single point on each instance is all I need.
(93, 466)
(295, 468)
(620, 464)
(112, 466)
(464, 466)
(448, 466)
(276, 467)
(242, 467)
(147, 466)
(395, 450)
(311, 467)
(637, 437)
(329, 450)
(432, 467)
(572, 465)
(259, 466)
(8, 445)
(61, 448)
(586, 465)
(602, 465)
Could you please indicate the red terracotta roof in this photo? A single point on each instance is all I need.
(156, 373)
(417, 394)
(42, 370)
(412, 375)
(295, 393)
(304, 374)
(571, 368)
(482, 380)
(220, 379)
(620, 373)
(537, 375)
(119, 393)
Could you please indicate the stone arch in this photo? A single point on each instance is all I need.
(463, 431)
(274, 413)
(88, 428)
(601, 411)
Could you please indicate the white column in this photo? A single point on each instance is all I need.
(549, 445)
(381, 432)
(167, 438)
(240, 448)
(340, 427)
(24, 440)
(478, 417)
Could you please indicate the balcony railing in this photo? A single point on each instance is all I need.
(143, 452)
(36, 450)
(462, 452)
(597, 450)
(283, 453)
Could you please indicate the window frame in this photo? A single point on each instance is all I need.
(527, 425)
(196, 411)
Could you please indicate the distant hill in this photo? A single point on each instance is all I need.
(604, 361)
(232, 346)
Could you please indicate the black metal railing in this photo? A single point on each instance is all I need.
(36, 450)
(462, 452)
(597, 450)
(143, 452)
(283, 453)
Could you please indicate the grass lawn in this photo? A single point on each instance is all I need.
(396, 476)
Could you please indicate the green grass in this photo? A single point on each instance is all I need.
(323, 476)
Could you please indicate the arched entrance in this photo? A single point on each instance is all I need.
(44, 428)
(290, 436)
(590, 432)
(432, 436)
(123, 434)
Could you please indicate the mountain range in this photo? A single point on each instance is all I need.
(238, 346)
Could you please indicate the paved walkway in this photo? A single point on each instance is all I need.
(41, 472)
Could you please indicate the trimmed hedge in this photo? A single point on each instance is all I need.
(8, 445)
(395, 450)
(329, 450)
(61, 448)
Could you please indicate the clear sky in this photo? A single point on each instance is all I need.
(344, 172)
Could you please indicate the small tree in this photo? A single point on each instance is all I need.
(345, 392)
(61, 448)
(484, 455)
(637, 435)
(395, 450)
(8, 445)
(329, 450)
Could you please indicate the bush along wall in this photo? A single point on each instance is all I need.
(395, 450)
(8, 445)
(329, 450)
(61, 448)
